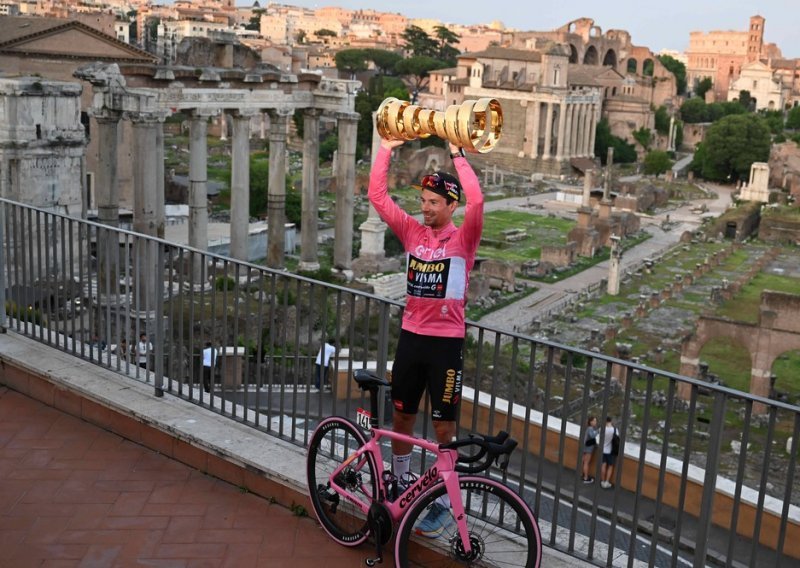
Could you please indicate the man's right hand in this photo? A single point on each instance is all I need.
(391, 144)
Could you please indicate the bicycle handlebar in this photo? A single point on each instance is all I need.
(491, 449)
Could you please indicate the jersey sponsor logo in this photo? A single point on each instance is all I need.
(427, 279)
(449, 386)
(434, 254)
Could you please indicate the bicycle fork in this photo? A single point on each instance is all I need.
(451, 483)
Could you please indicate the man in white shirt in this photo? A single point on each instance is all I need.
(209, 362)
(321, 365)
(143, 349)
(609, 458)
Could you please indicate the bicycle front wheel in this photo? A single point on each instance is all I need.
(335, 441)
(502, 529)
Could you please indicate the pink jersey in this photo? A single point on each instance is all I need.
(437, 261)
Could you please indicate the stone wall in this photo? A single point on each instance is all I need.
(560, 256)
(779, 229)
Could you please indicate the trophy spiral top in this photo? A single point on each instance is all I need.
(474, 125)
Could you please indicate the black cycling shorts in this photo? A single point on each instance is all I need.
(425, 361)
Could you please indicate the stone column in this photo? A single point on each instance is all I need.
(671, 135)
(562, 127)
(276, 206)
(345, 188)
(145, 205)
(373, 229)
(581, 142)
(198, 190)
(161, 214)
(309, 255)
(107, 183)
(588, 182)
(595, 115)
(588, 130)
(570, 137)
(240, 186)
(614, 266)
(537, 111)
(548, 133)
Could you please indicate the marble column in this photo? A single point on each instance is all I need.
(587, 132)
(161, 214)
(537, 111)
(568, 153)
(594, 117)
(198, 190)
(276, 206)
(345, 189)
(240, 186)
(373, 229)
(107, 182)
(580, 148)
(145, 205)
(548, 131)
(562, 128)
(309, 253)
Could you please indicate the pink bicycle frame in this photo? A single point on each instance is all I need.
(443, 469)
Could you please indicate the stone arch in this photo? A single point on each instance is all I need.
(648, 67)
(777, 331)
(632, 66)
(591, 57)
(573, 54)
(782, 368)
(610, 58)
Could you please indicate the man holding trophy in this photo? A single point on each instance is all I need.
(439, 258)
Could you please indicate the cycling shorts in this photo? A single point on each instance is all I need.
(425, 361)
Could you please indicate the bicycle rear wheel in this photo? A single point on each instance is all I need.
(502, 529)
(334, 441)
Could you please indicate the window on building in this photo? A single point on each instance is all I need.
(755, 85)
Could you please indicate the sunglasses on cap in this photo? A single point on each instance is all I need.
(443, 187)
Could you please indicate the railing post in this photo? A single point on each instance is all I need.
(159, 342)
(3, 327)
(382, 357)
(705, 518)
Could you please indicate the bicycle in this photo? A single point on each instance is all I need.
(355, 496)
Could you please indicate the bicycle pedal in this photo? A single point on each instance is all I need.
(373, 561)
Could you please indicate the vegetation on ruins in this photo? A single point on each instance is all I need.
(731, 146)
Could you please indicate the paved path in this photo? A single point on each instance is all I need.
(520, 314)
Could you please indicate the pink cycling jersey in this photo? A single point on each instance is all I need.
(437, 261)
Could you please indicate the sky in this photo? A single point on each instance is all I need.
(656, 25)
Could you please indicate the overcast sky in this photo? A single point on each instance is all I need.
(656, 25)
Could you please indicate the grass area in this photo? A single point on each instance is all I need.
(540, 231)
(729, 360)
(744, 307)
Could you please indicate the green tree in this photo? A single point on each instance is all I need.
(746, 100)
(419, 43)
(351, 61)
(328, 147)
(774, 120)
(325, 32)
(656, 162)
(417, 68)
(793, 118)
(662, 120)
(703, 85)
(694, 110)
(732, 144)
(624, 152)
(300, 36)
(385, 61)
(255, 21)
(643, 136)
(447, 41)
(676, 68)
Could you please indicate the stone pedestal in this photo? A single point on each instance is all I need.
(232, 365)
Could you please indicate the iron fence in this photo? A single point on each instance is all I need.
(696, 460)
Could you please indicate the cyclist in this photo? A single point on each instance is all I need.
(439, 258)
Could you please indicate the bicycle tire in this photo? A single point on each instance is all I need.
(333, 441)
(502, 528)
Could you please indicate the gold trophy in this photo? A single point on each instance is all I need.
(472, 125)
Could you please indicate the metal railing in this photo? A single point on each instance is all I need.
(697, 458)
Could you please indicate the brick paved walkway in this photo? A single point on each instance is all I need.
(73, 494)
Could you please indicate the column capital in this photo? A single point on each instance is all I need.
(149, 117)
(105, 115)
(312, 112)
(347, 116)
(281, 112)
(203, 112)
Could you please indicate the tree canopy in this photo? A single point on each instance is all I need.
(702, 87)
(417, 69)
(624, 152)
(678, 69)
(351, 61)
(657, 162)
(442, 46)
(730, 147)
(793, 118)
